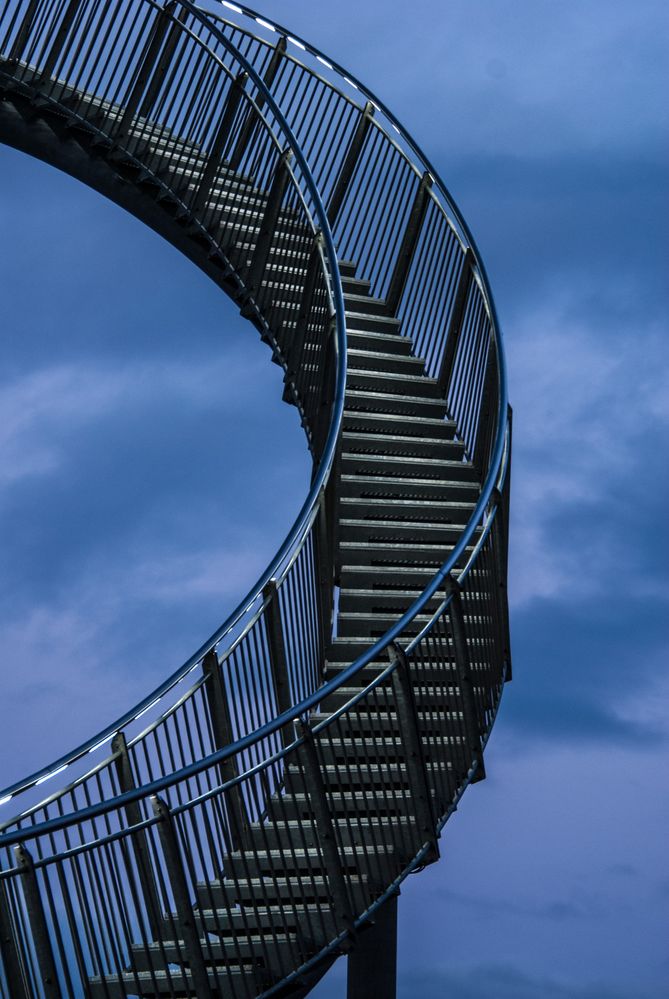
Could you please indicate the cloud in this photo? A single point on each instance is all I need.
(504, 981)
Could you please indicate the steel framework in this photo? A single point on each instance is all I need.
(254, 816)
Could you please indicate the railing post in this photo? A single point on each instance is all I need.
(185, 912)
(455, 323)
(277, 653)
(327, 840)
(293, 350)
(407, 717)
(250, 121)
(268, 225)
(324, 571)
(39, 929)
(463, 670)
(372, 964)
(409, 244)
(9, 950)
(138, 838)
(487, 412)
(61, 35)
(214, 160)
(221, 724)
(23, 33)
(152, 67)
(349, 164)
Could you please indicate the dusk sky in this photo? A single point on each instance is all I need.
(148, 470)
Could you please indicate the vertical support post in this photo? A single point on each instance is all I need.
(295, 348)
(372, 964)
(184, 908)
(349, 164)
(277, 653)
(138, 839)
(327, 840)
(268, 225)
(250, 121)
(9, 949)
(455, 323)
(61, 35)
(23, 33)
(486, 411)
(462, 666)
(222, 731)
(323, 562)
(408, 244)
(215, 158)
(407, 716)
(39, 929)
(149, 69)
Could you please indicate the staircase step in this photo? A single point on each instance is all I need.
(405, 487)
(402, 445)
(384, 362)
(393, 402)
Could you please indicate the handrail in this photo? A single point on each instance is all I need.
(124, 862)
(308, 510)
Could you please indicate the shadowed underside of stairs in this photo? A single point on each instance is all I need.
(259, 819)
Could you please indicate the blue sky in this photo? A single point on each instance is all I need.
(149, 469)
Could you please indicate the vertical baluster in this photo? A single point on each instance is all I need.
(61, 35)
(23, 32)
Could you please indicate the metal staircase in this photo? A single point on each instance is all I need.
(254, 817)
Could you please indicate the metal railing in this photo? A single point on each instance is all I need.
(268, 164)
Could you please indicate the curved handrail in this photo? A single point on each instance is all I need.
(207, 796)
(309, 508)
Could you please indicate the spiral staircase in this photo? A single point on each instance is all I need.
(254, 817)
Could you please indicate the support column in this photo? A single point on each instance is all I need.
(372, 965)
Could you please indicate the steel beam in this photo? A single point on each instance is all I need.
(39, 929)
(372, 964)
(349, 163)
(277, 653)
(463, 669)
(408, 245)
(9, 949)
(455, 323)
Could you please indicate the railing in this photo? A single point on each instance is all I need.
(113, 862)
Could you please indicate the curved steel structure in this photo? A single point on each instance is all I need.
(239, 828)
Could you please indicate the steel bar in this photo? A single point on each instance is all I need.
(455, 323)
(250, 121)
(268, 225)
(221, 136)
(277, 652)
(9, 948)
(372, 964)
(351, 159)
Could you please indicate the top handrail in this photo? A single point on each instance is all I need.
(309, 507)
(493, 480)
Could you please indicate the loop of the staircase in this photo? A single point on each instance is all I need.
(280, 838)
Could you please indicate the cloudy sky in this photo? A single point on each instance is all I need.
(148, 470)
